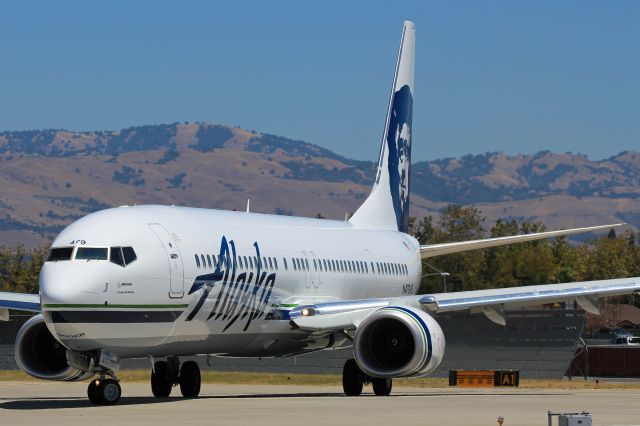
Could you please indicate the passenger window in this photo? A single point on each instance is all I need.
(197, 261)
(306, 263)
(213, 260)
(60, 253)
(270, 264)
(315, 267)
(250, 262)
(284, 260)
(275, 263)
(240, 262)
(203, 261)
(264, 262)
(209, 261)
(91, 253)
(115, 256)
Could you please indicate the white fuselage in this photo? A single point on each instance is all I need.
(196, 285)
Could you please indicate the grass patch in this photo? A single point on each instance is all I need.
(243, 378)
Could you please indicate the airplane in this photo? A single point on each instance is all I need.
(163, 282)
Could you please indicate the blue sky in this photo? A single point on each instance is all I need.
(511, 76)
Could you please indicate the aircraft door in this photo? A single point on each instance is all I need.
(315, 270)
(308, 276)
(172, 251)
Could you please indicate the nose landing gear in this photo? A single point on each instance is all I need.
(104, 391)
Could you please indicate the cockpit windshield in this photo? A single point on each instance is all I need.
(60, 253)
(122, 255)
(92, 253)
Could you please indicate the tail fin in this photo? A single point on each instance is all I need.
(387, 206)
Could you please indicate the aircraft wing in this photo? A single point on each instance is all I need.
(432, 250)
(19, 302)
(346, 315)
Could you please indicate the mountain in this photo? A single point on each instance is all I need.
(49, 178)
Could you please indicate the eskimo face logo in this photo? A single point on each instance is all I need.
(241, 297)
(399, 148)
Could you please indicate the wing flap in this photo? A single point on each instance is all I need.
(432, 250)
(513, 297)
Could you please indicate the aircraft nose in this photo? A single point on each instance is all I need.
(60, 285)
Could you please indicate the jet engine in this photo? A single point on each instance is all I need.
(398, 341)
(40, 355)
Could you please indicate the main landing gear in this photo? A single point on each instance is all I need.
(353, 380)
(169, 373)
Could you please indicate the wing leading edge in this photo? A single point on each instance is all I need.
(432, 250)
(18, 302)
(347, 315)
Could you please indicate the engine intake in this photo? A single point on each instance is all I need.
(398, 341)
(40, 355)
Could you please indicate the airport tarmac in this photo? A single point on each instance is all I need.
(53, 403)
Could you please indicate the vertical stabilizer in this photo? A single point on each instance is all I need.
(387, 206)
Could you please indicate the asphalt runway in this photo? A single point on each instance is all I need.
(53, 403)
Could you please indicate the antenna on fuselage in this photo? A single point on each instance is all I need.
(248, 204)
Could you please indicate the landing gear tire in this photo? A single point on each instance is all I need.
(104, 391)
(91, 392)
(352, 378)
(160, 380)
(190, 379)
(382, 387)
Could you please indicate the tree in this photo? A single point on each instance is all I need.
(20, 268)
(456, 223)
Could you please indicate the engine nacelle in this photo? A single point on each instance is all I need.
(398, 341)
(40, 355)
